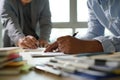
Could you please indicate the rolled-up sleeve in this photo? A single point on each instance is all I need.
(107, 43)
(96, 30)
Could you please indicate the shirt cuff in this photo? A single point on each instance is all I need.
(106, 43)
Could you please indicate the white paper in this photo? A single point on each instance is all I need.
(46, 54)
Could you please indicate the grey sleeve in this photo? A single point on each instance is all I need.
(9, 20)
(45, 22)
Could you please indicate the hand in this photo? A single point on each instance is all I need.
(63, 44)
(28, 42)
(52, 47)
(71, 45)
(42, 43)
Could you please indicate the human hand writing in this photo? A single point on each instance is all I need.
(52, 47)
(72, 45)
(28, 42)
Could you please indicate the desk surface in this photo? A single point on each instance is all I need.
(37, 74)
(34, 75)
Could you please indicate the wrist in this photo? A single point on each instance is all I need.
(97, 46)
(93, 46)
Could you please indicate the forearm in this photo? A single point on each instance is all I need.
(10, 21)
(13, 30)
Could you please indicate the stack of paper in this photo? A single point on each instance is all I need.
(48, 54)
(11, 61)
(93, 67)
(35, 50)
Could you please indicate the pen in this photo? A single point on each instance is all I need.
(75, 34)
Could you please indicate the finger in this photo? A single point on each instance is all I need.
(29, 42)
(47, 45)
(64, 47)
(51, 47)
(32, 40)
(23, 45)
(61, 47)
(26, 43)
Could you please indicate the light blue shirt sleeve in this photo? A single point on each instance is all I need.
(107, 43)
(99, 20)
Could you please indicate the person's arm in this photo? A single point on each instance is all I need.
(94, 41)
(96, 32)
(95, 28)
(72, 45)
(9, 20)
(45, 22)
